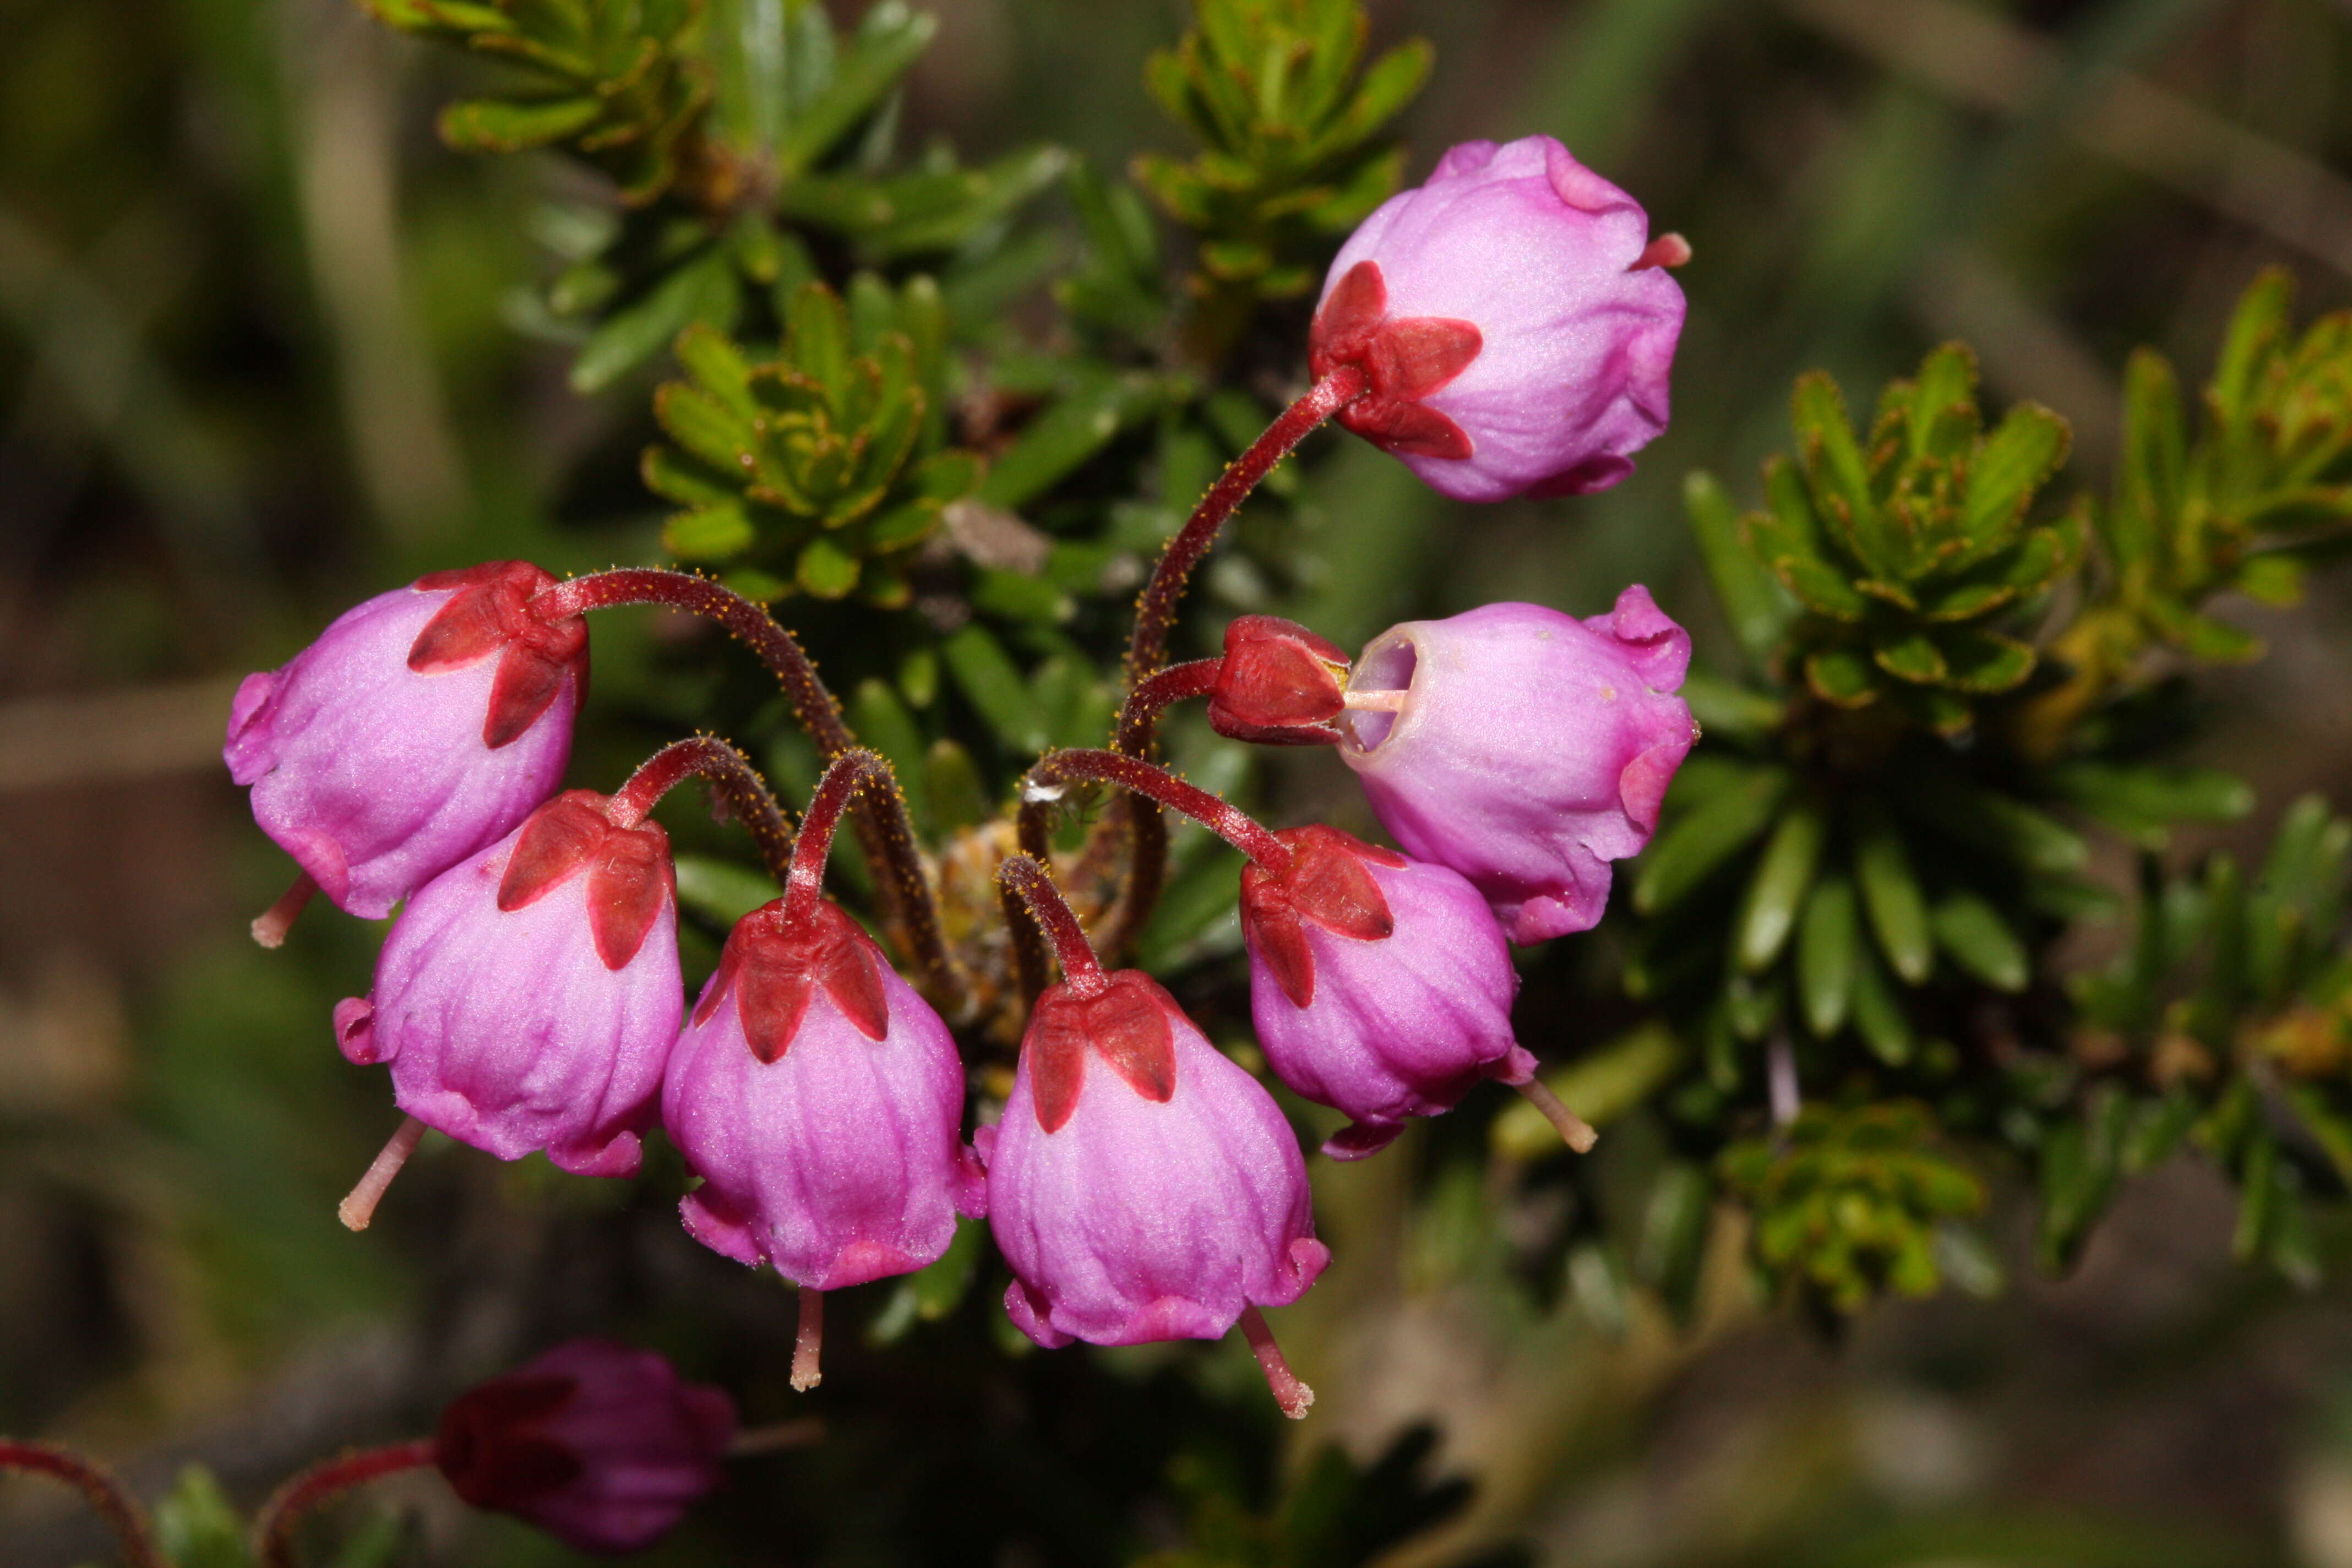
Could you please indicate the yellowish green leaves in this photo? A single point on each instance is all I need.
(808, 467)
(1290, 133)
(1903, 549)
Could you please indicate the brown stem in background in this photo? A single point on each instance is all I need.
(273, 1527)
(112, 1500)
(1155, 618)
(709, 757)
(883, 828)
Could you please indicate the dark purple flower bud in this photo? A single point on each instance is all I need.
(821, 1100)
(1514, 320)
(1278, 684)
(1140, 1185)
(1522, 748)
(1379, 985)
(421, 726)
(602, 1446)
(528, 998)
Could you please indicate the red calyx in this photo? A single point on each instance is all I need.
(1405, 359)
(1126, 1025)
(1326, 883)
(1278, 684)
(490, 1446)
(775, 968)
(488, 613)
(629, 872)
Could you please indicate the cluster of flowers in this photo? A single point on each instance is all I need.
(1504, 329)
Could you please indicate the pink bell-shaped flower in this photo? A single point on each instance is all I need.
(1379, 985)
(423, 725)
(1522, 748)
(821, 1100)
(528, 998)
(1141, 1186)
(603, 1447)
(1514, 320)
(817, 1096)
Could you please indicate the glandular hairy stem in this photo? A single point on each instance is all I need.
(1026, 882)
(731, 773)
(1155, 618)
(910, 912)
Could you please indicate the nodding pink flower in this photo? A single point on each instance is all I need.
(1278, 684)
(528, 998)
(421, 726)
(1522, 748)
(1514, 320)
(1379, 985)
(1142, 1186)
(603, 1447)
(821, 1100)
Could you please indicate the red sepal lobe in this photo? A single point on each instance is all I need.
(1278, 684)
(1405, 359)
(490, 1447)
(776, 969)
(489, 613)
(1326, 883)
(629, 871)
(1127, 1024)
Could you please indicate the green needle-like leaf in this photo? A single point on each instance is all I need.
(1829, 945)
(1783, 876)
(1890, 893)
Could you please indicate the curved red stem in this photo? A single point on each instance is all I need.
(273, 1527)
(1025, 879)
(1155, 617)
(848, 773)
(709, 757)
(1155, 695)
(112, 1500)
(1153, 783)
(883, 828)
(1155, 611)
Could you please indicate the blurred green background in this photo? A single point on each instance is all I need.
(257, 359)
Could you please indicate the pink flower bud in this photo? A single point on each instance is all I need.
(1379, 985)
(1522, 748)
(821, 1100)
(422, 725)
(600, 1446)
(1278, 684)
(1141, 1186)
(1515, 323)
(527, 998)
